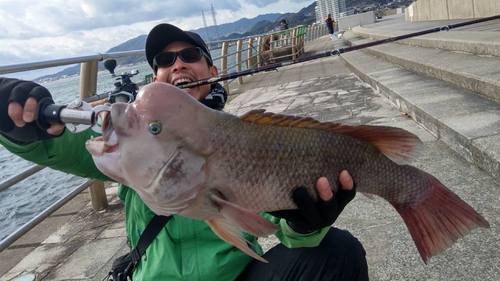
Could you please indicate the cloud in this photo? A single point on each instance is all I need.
(52, 29)
(57, 17)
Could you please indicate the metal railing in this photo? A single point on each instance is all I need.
(43, 215)
(20, 176)
(292, 40)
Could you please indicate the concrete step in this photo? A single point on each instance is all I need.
(467, 122)
(472, 42)
(475, 73)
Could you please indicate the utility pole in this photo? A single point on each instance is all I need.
(215, 22)
(205, 24)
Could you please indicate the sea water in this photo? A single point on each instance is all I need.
(25, 200)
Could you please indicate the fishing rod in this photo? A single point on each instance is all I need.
(79, 115)
(332, 53)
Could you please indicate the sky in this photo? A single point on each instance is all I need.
(40, 30)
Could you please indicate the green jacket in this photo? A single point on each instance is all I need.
(186, 249)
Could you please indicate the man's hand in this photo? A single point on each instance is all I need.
(325, 191)
(18, 102)
(311, 215)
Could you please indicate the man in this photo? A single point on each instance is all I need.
(330, 22)
(187, 249)
(283, 25)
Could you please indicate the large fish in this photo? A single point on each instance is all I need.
(184, 158)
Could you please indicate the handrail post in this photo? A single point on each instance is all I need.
(88, 79)
(223, 63)
(250, 53)
(300, 42)
(239, 45)
(260, 45)
(294, 43)
(303, 42)
(88, 87)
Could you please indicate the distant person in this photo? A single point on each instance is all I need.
(284, 25)
(330, 22)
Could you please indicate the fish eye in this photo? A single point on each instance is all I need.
(155, 127)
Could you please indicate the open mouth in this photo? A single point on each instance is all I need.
(181, 81)
(108, 132)
(108, 142)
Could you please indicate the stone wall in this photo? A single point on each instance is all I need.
(451, 9)
(356, 20)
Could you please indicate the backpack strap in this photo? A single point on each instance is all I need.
(148, 235)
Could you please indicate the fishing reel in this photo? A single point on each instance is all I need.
(125, 90)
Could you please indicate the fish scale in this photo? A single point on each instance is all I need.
(224, 169)
(272, 160)
(310, 153)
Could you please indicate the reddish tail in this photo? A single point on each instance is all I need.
(438, 219)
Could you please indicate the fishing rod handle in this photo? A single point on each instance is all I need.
(48, 114)
(97, 97)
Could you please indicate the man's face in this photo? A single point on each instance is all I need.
(190, 71)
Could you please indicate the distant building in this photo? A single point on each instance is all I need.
(333, 7)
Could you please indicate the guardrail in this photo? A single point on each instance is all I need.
(288, 43)
(43, 215)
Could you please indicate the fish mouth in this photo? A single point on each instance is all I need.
(108, 142)
(108, 132)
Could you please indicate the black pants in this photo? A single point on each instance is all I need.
(340, 256)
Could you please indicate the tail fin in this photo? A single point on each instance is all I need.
(439, 219)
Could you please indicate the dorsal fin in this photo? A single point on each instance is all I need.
(397, 144)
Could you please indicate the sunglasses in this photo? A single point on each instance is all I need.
(188, 55)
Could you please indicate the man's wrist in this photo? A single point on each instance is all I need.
(299, 230)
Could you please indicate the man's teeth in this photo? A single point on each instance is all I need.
(182, 81)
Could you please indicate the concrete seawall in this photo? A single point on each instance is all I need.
(423, 10)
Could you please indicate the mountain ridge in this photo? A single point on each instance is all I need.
(241, 28)
(264, 23)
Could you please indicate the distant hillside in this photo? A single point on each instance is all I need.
(305, 16)
(239, 28)
(351, 3)
(130, 45)
(242, 25)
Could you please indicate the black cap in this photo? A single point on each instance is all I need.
(163, 34)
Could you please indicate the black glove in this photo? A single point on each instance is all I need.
(19, 91)
(311, 215)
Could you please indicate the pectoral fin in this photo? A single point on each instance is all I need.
(230, 233)
(244, 219)
(237, 219)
